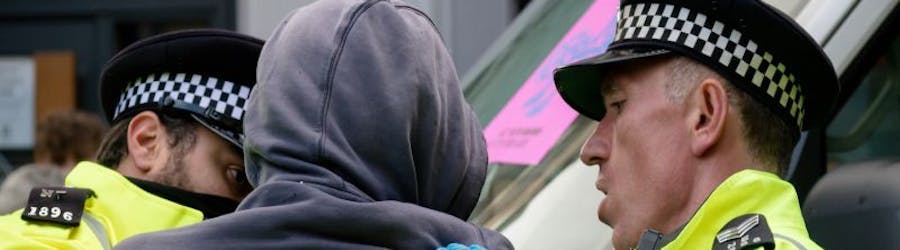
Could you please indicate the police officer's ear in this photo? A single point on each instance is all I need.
(708, 110)
(147, 141)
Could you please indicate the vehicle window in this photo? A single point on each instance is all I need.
(866, 127)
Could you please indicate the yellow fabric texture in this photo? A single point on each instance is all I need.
(748, 191)
(122, 208)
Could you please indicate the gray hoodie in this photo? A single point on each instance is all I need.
(357, 136)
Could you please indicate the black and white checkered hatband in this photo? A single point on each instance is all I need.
(208, 97)
(683, 28)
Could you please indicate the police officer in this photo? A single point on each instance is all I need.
(173, 155)
(699, 105)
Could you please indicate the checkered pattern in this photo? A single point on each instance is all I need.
(711, 38)
(226, 98)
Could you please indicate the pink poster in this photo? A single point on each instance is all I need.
(536, 116)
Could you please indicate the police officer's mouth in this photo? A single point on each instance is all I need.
(600, 185)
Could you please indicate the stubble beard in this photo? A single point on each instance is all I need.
(174, 173)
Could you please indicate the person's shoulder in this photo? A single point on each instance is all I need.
(753, 231)
(12, 232)
(15, 188)
(36, 174)
(16, 233)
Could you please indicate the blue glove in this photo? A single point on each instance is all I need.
(457, 246)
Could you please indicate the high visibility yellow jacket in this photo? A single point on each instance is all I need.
(117, 210)
(749, 209)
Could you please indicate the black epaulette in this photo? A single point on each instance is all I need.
(749, 231)
(58, 205)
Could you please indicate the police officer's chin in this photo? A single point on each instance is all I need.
(619, 239)
(621, 242)
(603, 211)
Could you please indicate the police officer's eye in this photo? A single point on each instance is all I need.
(617, 105)
(237, 175)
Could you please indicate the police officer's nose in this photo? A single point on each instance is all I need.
(596, 149)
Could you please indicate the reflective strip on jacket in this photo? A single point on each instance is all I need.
(118, 210)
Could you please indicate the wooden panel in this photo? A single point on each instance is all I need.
(55, 78)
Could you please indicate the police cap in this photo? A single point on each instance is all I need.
(206, 74)
(753, 45)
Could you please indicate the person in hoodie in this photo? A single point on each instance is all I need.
(358, 137)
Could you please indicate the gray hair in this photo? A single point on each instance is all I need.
(769, 138)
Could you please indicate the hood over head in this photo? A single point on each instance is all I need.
(365, 101)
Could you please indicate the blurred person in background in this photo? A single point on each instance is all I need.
(62, 139)
(173, 156)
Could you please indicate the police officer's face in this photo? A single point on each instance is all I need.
(640, 148)
(212, 166)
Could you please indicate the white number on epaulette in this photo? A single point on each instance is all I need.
(53, 212)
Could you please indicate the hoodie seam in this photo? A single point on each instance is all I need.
(422, 14)
(332, 68)
(458, 194)
(450, 208)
